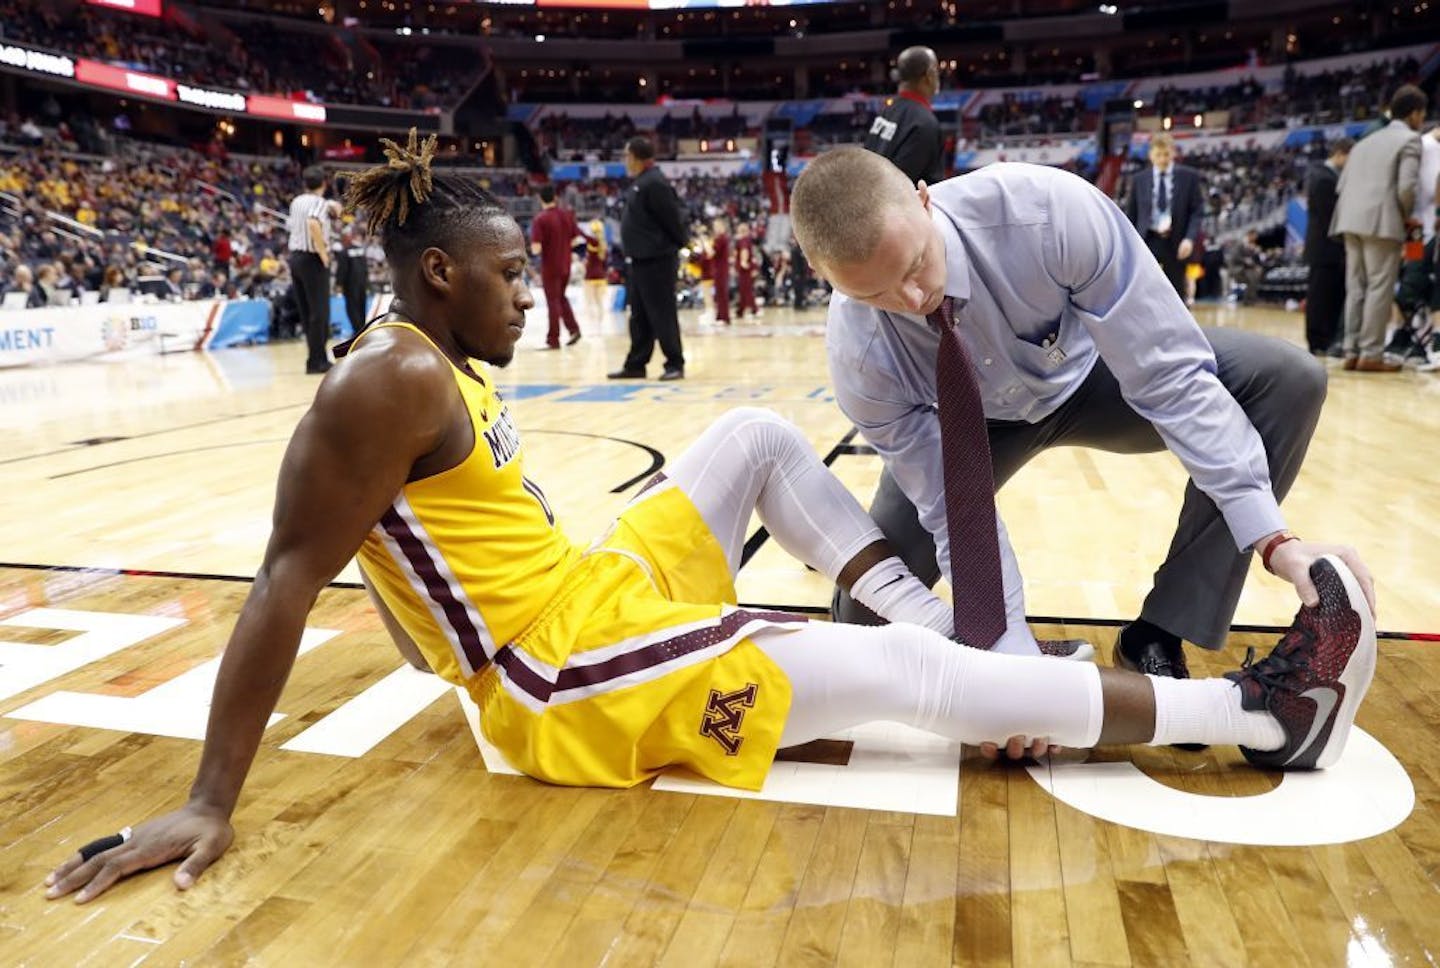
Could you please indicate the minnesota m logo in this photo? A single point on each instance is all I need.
(723, 715)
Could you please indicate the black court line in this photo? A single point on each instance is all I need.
(150, 573)
(154, 433)
(657, 459)
(765, 606)
(800, 609)
(847, 448)
(170, 453)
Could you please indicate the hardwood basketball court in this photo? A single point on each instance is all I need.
(137, 505)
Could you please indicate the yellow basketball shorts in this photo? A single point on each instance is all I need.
(641, 662)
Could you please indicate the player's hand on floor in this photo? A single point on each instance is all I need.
(194, 834)
(1018, 748)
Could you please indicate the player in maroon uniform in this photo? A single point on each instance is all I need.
(720, 269)
(745, 268)
(552, 234)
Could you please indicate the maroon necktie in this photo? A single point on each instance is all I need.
(975, 578)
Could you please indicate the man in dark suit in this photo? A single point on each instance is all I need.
(1165, 205)
(1325, 291)
(652, 232)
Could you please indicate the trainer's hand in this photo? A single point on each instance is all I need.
(197, 834)
(1292, 561)
(1185, 249)
(1017, 748)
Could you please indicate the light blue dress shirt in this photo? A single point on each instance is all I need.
(1052, 277)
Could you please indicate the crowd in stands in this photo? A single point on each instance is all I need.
(180, 224)
(1322, 97)
(207, 225)
(1246, 192)
(84, 208)
(1325, 97)
(251, 55)
(838, 128)
(1346, 95)
(703, 197)
(565, 138)
(1249, 185)
(1015, 115)
(1242, 99)
(697, 125)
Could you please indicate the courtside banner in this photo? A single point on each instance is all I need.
(286, 109)
(30, 337)
(204, 97)
(30, 61)
(128, 80)
(123, 79)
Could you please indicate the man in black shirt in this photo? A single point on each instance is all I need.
(353, 275)
(1325, 293)
(906, 131)
(652, 232)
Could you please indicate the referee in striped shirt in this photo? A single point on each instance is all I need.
(309, 226)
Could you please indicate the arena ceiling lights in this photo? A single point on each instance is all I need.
(150, 8)
(665, 4)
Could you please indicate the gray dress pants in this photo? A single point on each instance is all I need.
(1280, 387)
(1371, 267)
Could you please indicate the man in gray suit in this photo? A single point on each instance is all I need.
(1376, 194)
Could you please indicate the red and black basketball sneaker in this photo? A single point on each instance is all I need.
(1076, 649)
(1313, 681)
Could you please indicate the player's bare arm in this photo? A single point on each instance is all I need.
(375, 421)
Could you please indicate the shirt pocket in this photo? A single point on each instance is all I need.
(1043, 348)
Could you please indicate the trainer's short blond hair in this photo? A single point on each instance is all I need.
(1163, 139)
(839, 202)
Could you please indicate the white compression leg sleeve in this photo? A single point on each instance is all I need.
(754, 459)
(844, 675)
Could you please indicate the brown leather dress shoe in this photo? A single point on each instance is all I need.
(1350, 362)
(1364, 365)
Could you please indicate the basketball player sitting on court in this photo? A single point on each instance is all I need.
(605, 665)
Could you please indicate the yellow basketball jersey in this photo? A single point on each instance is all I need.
(599, 667)
(466, 559)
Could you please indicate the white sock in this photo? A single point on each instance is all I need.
(1021, 643)
(1208, 711)
(889, 590)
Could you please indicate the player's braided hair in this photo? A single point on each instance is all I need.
(410, 207)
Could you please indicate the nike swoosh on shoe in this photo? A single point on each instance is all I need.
(1325, 700)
